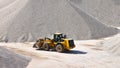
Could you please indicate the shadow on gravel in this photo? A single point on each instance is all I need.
(75, 52)
(68, 52)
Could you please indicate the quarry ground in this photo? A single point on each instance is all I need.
(86, 55)
(22, 20)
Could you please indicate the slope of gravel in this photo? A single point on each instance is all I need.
(9, 59)
(107, 11)
(98, 29)
(27, 20)
(112, 44)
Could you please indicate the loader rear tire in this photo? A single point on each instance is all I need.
(46, 47)
(59, 48)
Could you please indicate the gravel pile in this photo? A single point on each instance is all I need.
(26, 20)
(9, 59)
(112, 44)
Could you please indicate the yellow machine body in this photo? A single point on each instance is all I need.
(66, 44)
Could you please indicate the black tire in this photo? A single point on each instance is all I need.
(59, 48)
(46, 47)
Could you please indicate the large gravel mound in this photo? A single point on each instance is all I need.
(112, 44)
(9, 59)
(107, 11)
(26, 20)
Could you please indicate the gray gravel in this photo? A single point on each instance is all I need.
(27, 20)
(9, 59)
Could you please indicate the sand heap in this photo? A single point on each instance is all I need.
(107, 11)
(9, 59)
(26, 20)
(112, 44)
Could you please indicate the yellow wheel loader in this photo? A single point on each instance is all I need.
(58, 42)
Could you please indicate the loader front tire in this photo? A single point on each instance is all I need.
(59, 48)
(46, 47)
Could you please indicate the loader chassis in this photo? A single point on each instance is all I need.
(59, 42)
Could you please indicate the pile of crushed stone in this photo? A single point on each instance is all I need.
(26, 20)
(9, 59)
(112, 44)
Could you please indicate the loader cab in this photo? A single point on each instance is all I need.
(58, 37)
